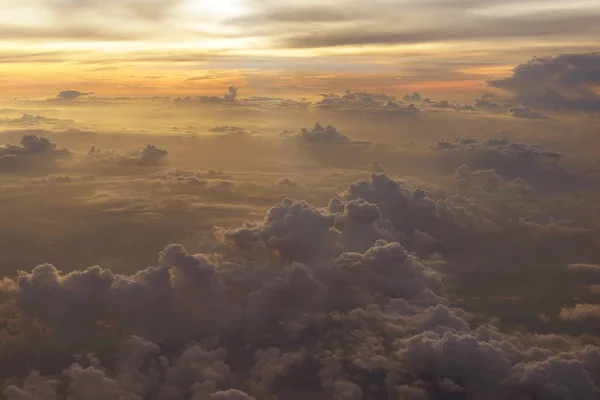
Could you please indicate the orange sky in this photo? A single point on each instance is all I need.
(188, 47)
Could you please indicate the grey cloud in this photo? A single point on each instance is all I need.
(232, 131)
(585, 269)
(482, 27)
(149, 156)
(320, 135)
(70, 95)
(349, 323)
(446, 105)
(563, 82)
(385, 22)
(294, 228)
(229, 97)
(412, 209)
(28, 120)
(152, 10)
(581, 312)
(412, 97)
(34, 153)
(364, 101)
(182, 176)
(525, 112)
(499, 146)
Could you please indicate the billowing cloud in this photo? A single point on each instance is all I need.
(70, 95)
(499, 146)
(149, 156)
(232, 131)
(412, 98)
(27, 120)
(564, 82)
(34, 153)
(364, 101)
(320, 135)
(229, 97)
(308, 302)
(525, 112)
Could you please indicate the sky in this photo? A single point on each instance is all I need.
(300, 200)
(183, 47)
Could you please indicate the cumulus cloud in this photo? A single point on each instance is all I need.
(294, 229)
(149, 156)
(229, 97)
(590, 269)
(581, 312)
(524, 112)
(498, 146)
(411, 98)
(232, 131)
(35, 120)
(307, 303)
(70, 95)
(191, 177)
(275, 102)
(413, 209)
(446, 105)
(34, 153)
(320, 134)
(563, 82)
(364, 101)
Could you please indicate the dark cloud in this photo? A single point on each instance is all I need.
(307, 303)
(500, 147)
(446, 105)
(525, 112)
(275, 102)
(364, 101)
(34, 153)
(484, 27)
(149, 156)
(28, 120)
(320, 135)
(424, 282)
(413, 209)
(232, 131)
(70, 95)
(229, 97)
(191, 177)
(562, 82)
(415, 97)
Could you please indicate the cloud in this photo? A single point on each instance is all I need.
(415, 97)
(446, 105)
(589, 269)
(413, 209)
(294, 229)
(149, 156)
(320, 135)
(275, 102)
(70, 95)
(297, 305)
(466, 25)
(581, 312)
(498, 146)
(561, 82)
(27, 120)
(34, 153)
(232, 131)
(229, 97)
(425, 286)
(363, 101)
(180, 176)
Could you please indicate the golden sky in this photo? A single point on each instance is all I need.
(188, 47)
